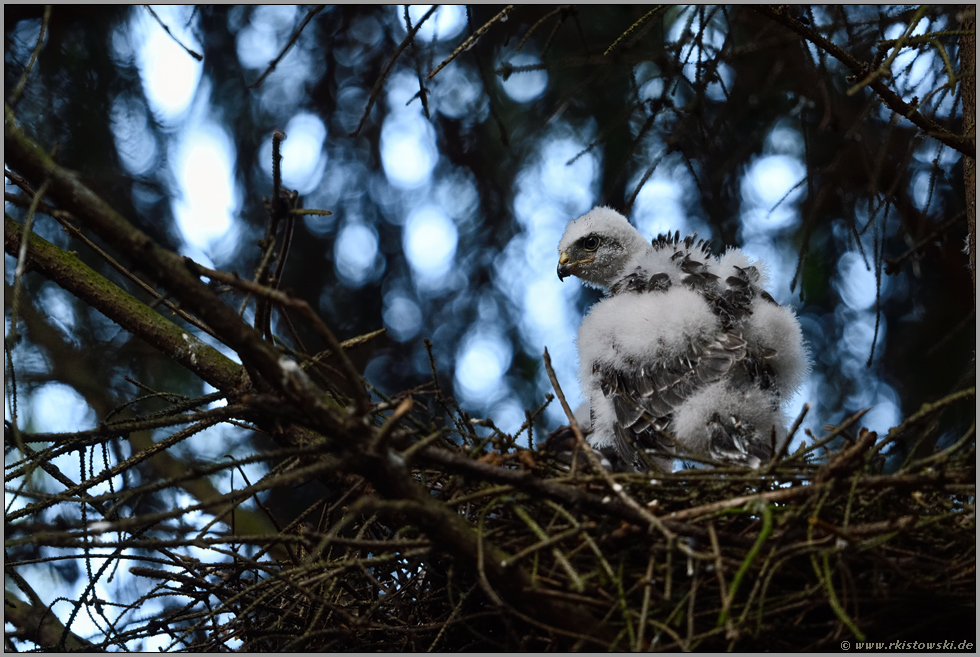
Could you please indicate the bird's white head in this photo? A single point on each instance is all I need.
(598, 246)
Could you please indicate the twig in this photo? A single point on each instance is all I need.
(784, 448)
(418, 69)
(466, 45)
(924, 411)
(644, 18)
(124, 309)
(22, 259)
(537, 24)
(361, 397)
(832, 435)
(942, 227)
(263, 311)
(64, 218)
(885, 69)
(616, 487)
(19, 89)
(645, 608)
(289, 44)
(386, 70)
(166, 29)
(963, 144)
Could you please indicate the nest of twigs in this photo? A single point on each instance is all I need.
(811, 550)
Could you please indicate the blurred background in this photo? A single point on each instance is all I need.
(451, 165)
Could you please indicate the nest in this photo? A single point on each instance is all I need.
(802, 554)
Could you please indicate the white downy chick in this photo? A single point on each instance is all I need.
(687, 354)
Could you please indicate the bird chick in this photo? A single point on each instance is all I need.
(687, 354)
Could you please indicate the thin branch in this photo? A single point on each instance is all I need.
(466, 45)
(539, 22)
(22, 258)
(616, 487)
(625, 35)
(289, 44)
(19, 89)
(423, 96)
(390, 64)
(962, 143)
(885, 70)
(350, 372)
(166, 29)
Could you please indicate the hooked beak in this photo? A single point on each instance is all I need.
(564, 266)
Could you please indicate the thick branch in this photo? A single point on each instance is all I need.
(38, 624)
(163, 265)
(968, 84)
(377, 463)
(68, 271)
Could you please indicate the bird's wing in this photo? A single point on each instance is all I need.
(644, 395)
(731, 301)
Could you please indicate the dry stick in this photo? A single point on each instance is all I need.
(924, 411)
(645, 607)
(386, 70)
(466, 45)
(726, 601)
(263, 311)
(554, 30)
(277, 138)
(833, 434)
(784, 448)
(597, 466)
(350, 372)
(772, 496)
(783, 494)
(381, 438)
(287, 239)
(451, 618)
(19, 89)
(292, 40)
(481, 69)
(166, 29)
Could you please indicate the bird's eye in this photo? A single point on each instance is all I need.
(591, 243)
